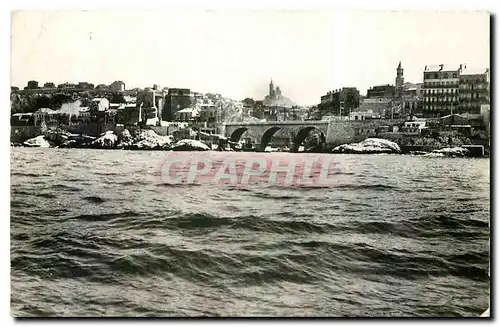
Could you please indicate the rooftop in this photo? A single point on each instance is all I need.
(444, 68)
(474, 71)
(186, 110)
(46, 110)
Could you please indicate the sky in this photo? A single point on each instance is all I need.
(236, 53)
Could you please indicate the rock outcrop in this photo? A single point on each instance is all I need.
(140, 140)
(189, 145)
(37, 142)
(433, 154)
(370, 145)
(453, 152)
(417, 153)
(125, 140)
(64, 139)
(107, 140)
(70, 144)
(149, 140)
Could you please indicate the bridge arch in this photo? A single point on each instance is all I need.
(263, 132)
(236, 135)
(267, 136)
(303, 133)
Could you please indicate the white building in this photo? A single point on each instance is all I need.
(187, 114)
(414, 127)
(99, 104)
(84, 114)
(44, 115)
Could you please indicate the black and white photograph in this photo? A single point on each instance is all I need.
(247, 163)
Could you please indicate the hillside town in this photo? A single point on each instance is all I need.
(450, 104)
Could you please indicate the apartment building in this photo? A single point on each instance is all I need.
(440, 90)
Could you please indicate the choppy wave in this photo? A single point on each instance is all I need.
(111, 241)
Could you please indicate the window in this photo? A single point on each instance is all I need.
(454, 75)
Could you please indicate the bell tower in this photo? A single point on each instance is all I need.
(400, 80)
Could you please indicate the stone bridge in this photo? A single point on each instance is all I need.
(264, 131)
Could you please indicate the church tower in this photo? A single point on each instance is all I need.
(271, 90)
(400, 80)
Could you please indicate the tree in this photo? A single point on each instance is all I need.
(249, 102)
(58, 100)
(41, 102)
(49, 85)
(117, 98)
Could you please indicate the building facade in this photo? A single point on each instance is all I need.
(175, 100)
(85, 85)
(151, 103)
(208, 112)
(440, 91)
(381, 91)
(31, 85)
(474, 91)
(342, 101)
(411, 99)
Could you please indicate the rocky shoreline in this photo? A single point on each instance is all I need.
(383, 146)
(139, 140)
(148, 140)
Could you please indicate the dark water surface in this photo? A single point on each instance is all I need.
(98, 233)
